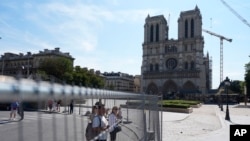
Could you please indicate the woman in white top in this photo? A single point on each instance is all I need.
(113, 123)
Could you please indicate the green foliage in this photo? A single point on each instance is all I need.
(247, 78)
(236, 86)
(86, 78)
(62, 69)
(178, 103)
(190, 102)
(58, 67)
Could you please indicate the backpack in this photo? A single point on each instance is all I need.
(90, 133)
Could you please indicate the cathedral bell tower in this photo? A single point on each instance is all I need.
(190, 24)
(155, 29)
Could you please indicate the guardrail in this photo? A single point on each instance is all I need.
(140, 121)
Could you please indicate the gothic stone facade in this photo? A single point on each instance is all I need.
(175, 66)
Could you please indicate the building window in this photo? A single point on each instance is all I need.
(192, 28)
(157, 32)
(192, 47)
(186, 29)
(186, 65)
(151, 67)
(157, 50)
(156, 67)
(185, 48)
(192, 65)
(151, 33)
(170, 49)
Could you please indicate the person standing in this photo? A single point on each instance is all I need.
(13, 109)
(71, 106)
(20, 110)
(100, 123)
(90, 133)
(50, 104)
(93, 113)
(113, 123)
(58, 105)
(54, 105)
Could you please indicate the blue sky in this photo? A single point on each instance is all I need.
(107, 35)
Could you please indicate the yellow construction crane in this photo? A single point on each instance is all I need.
(221, 50)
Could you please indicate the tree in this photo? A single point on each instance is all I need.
(86, 78)
(236, 86)
(62, 69)
(59, 67)
(247, 78)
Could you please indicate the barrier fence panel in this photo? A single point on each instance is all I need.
(45, 112)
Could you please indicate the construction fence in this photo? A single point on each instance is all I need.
(141, 116)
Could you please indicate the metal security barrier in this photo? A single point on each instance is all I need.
(141, 118)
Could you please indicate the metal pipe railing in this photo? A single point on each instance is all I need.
(29, 90)
(142, 114)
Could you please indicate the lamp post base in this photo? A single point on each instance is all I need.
(227, 114)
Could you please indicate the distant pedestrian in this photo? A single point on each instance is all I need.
(54, 105)
(13, 109)
(58, 105)
(20, 110)
(50, 104)
(71, 106)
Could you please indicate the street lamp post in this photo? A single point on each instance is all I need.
(227, 84)
(2, 57)
(2, 60)
(221, 102)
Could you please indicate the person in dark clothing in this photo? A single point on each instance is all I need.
(58, 105)
(71, 106)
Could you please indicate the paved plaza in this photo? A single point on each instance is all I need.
(203, 124)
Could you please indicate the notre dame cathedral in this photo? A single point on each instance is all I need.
(172, 66)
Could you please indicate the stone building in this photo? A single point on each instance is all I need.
(137, 83)
(27, 65)
(119, 81)
(175, 66)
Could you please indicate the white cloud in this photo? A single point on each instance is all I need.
(79, 22)
(75, 28)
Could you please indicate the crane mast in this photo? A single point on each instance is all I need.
(221, 49)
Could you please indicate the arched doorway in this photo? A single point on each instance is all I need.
(189, 86)
(152, 89)
(189, 91)
(169, 89)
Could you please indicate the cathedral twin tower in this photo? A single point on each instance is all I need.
(175, 66)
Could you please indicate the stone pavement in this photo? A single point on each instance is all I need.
(204, 124)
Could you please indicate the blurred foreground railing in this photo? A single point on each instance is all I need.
(141, 116)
